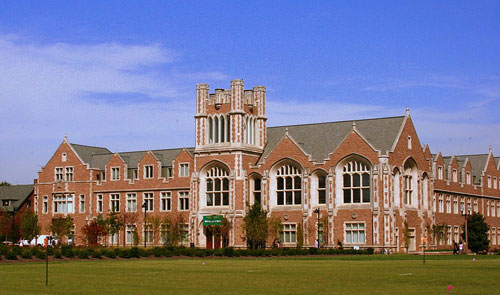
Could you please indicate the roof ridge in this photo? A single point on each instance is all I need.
(84, 145)
(343, 121)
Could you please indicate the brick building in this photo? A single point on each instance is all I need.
(368, 179)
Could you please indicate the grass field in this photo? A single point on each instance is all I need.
(394, 274)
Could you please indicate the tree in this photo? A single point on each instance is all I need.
(128, 218)
(255, 226)
(61, 227)
(406, 235)
(438, 233)
(114, 224)
(477, 231)
(4, 183)
(93, 232)
(29, 226)
(155, 222)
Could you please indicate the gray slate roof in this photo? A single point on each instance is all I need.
(86, 152)
(478, 162)
(99, 157)
(321, 139)
(16, 193)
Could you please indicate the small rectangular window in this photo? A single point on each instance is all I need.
(58, 174)
(183, 201)
(99, 203)
(69, 173)
(131, 202)
(115, 173)
(45, 206)
(114, 202)
(148, 201)
(288, 234)
(148, 171)
(81, 205)
(440, 172)
(166, 201)
(184, 170)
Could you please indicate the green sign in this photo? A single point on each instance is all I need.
(212, 220)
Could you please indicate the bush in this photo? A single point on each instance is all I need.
(96, 253)
(26, 253)
(109, 253)
(57, 254)
(158, 251)
(17, 250)
(40, 255)
(67, 251)
(136, 252)
(228, 251)
(82, 253)
(10, 255)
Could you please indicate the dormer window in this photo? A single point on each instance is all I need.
(115, 173)
(468, 178)
(148, 171)
(440, 172)
(455, 175)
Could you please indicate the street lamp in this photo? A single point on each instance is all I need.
(466, 214)
(317, 212)
(145, 207)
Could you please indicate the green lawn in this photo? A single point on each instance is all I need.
(394, 274)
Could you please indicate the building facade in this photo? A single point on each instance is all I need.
(370, 182)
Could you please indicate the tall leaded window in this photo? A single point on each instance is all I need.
(217, 187)
(114, 202)
(131, 202)
(321, 189)
(250, 130)
(409, 182)
(356, 182)
(289, 185)
(219, 129)
(257, 190)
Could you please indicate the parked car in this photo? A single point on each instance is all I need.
(41, 240)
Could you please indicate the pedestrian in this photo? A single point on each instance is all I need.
(316, 244)
(461, 247)
(455, 248)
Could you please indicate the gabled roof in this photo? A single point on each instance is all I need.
(478, 162)
(321, 139)
(85, 152)
(16, 193)
(132, 159)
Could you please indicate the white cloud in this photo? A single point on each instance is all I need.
(47, 91)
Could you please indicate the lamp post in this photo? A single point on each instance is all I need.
(466, 214)
(317, 212)
(145, 207)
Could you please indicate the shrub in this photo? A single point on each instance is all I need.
(40, 255)
(228, 251)
(97, 254)
(109, 253)
(124, 253)
(26, 253)
(157, 251)
(10, 255)
(82, 254)
(136, 252)
(67, 251)
(57, 254)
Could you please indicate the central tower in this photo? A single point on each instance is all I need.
(230, 119)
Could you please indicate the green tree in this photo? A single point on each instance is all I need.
(477, 231)
(114, 223)
(255, 226)
(406, 235)
(61, 227)
(29, 226)
(4, 183)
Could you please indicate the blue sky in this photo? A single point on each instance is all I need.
(122, 74)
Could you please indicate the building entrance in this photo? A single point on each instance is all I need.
(215, 239)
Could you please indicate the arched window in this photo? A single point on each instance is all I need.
(222, 131)
(216, 131)
(356, 182)
(217, 189)
(410, 182)
(256, 186)
(289, 185)
(250, 130)
(210, 130)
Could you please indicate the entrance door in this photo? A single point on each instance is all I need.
(214, 239)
